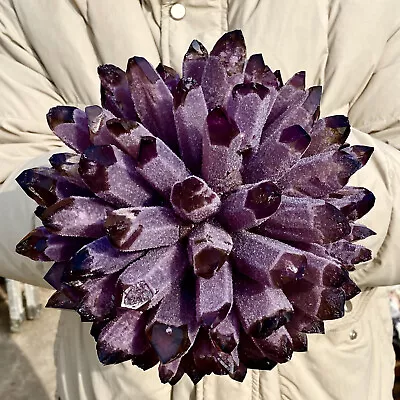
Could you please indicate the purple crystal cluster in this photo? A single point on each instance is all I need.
(202, 222)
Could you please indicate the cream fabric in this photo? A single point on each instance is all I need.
(49, 52)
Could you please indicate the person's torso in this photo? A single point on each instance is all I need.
(326, 38)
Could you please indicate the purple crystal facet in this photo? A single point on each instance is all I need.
(250, 206)
(209, 247)
(194, 200)
(142, 228)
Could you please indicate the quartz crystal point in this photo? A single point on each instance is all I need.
(324, 303)
(212, 309)
(71, 125)
(225, 335)
(305, 220)
(190, 112)
(207, 358)
(97, 121)
(46, 186)
(350, 289)
(114, 345)
(201, 222)
(67, 299)
(328, 134)
(41, 245)
(348, 253)
(115, 93)
(304, 323)
(302, 113)
(99, 258)
(98, 301)
(251, 354)
(291, 93)
(325, 173)
(142, 228)
(67, 165)
(257, 72)
(173, 329)
(194, 200)
(359, 232)
(299, 340)
(224, 69)
(261, 309)
(250, 205)
(276, 348)
(221, 159)
(276, 155)
(146, 281)
(266, 260)
(158, 165)
(324, 272)
(153, 100)
(354, 202)
(208, 248)
(169, 76)
(76, 216)
(249, 107)
(170, 372)
(55, 274)
(194, 62)
(110, 173)
(127, 135)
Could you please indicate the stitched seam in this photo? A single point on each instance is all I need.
(324, 62)
(383, 248)
(165, 36)
(280, 380)
(224, 16)
(92, 37)
(390, 119)
(254, 385)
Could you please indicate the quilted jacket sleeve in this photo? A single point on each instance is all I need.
(377, 109)
(377, 112)
(26, 95)
(382, 176)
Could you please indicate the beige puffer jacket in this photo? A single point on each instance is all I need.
(49, 52)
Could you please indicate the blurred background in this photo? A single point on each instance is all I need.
(27, 368)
